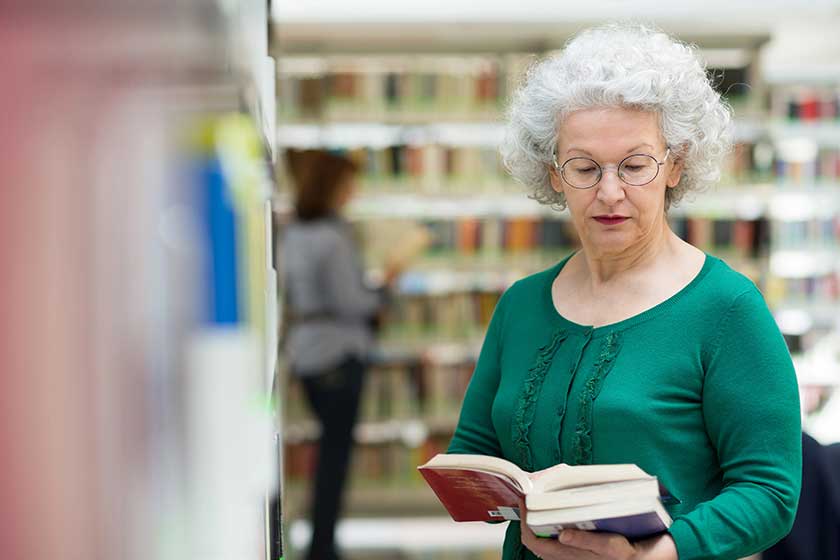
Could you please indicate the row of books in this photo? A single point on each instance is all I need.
(803, 161)
(807, 103)
(372, 95)
(819, 232)
(465, 236)
(750, 162)
(385, 464)
(745, 238)
(458, 314)
(416, 385)
(823, 166)
(427, 167)
(821, 291)
(468, 236)
(395, 392)
(390, 463)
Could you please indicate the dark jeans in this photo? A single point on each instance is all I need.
(334, 398)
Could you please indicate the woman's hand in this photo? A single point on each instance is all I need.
(573, 544)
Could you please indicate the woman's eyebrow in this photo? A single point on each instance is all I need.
(642, 145)
(633, 149)
(579, 150)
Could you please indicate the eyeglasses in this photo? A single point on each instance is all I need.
(584, 173)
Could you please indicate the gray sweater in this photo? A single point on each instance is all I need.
(328, 303)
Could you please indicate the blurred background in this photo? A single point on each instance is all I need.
(145, 410)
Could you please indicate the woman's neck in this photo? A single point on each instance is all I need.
(604, 269)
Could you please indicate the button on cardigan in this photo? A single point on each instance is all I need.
(698, 390)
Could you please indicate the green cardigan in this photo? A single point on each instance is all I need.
(699, 390)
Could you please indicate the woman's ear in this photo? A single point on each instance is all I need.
(675, 171)
(554, 176)
(555, 179)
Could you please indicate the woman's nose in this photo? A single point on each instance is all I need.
(610, 187)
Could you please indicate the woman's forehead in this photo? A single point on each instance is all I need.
(610, 129)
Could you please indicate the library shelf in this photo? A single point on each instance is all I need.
(399, 129)
(779, 201)
(469, 129)
(409, 431)
(804, 262)
(410, 537)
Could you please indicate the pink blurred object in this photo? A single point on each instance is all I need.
(84, 134)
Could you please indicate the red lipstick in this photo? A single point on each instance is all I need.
(611, 220)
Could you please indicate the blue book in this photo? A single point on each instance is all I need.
(220, 243)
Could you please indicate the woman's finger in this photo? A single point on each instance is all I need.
(529, 539)
(548, 549)
(610, 545)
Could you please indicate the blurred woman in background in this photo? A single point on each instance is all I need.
(329, 313)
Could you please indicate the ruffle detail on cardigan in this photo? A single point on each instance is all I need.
(582, 448)
(524, 415)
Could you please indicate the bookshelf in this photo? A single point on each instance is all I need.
(140, 289)
(426, 141)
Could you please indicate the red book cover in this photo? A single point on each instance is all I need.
(472, 495)
(809, 107)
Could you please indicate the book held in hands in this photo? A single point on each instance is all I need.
(608, 498)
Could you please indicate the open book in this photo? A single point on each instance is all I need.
(614, 498)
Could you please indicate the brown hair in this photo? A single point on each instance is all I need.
(317, 176)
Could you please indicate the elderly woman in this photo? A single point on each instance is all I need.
(638, 348)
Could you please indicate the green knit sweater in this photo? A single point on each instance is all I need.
(698, 390)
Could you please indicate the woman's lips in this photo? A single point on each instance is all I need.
(610, 221)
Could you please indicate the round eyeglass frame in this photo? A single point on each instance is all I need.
(560, 168)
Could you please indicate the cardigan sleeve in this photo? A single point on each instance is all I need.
(751, 410)
(475, 433)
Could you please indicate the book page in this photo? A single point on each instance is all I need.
(593, 494)
(564, 476)
(599, 511)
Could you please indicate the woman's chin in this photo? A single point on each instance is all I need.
(611, 243)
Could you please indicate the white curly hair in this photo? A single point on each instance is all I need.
(619, 65)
